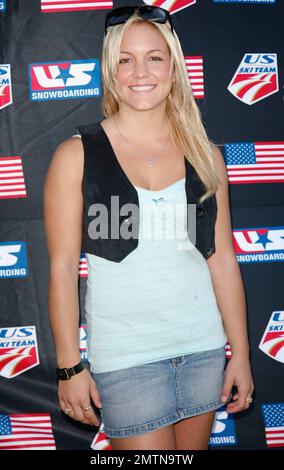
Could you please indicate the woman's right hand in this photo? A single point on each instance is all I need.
(76, 394)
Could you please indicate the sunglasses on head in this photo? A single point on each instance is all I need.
(147, 12)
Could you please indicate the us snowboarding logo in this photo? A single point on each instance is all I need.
(64, 80)
(18, 350)
(223, 431)
(259, 244)
(13, 259)
(272, 342)
(256, 78)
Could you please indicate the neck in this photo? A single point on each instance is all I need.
(142, 126)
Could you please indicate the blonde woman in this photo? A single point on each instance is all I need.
(160, 304)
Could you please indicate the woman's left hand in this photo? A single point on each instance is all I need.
(238, 373)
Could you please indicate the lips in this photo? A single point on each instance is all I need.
(142, 88)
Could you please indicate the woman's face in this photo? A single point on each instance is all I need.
(144, 61)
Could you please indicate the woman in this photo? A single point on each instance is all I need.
(159, 311)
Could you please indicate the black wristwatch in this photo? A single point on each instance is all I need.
(66, 374)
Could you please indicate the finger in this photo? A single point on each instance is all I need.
(239, 405)
(70, 407)
(251, 391)
(243, 395)
(234, 407)
(95, 396)
(62, 404)
(227, 387)
(79, 415)
(90, 415)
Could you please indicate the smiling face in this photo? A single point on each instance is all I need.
(143, 73)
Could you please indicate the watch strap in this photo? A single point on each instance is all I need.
(67, 373)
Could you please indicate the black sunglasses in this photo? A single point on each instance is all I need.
(147, 12)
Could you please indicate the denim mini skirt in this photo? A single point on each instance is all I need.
(150, 396)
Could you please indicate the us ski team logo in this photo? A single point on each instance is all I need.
(173, 6)
(256, 78)
(272, 342)
(5, 85)
(18, 350)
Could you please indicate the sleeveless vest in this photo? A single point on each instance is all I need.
(103, 178)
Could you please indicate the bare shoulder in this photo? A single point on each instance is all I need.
(63, 204)
(68, 160)
(70, 152)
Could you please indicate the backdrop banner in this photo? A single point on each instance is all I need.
(50, 83)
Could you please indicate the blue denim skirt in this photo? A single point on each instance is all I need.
(143, 398)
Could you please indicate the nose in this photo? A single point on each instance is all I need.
(140, 68)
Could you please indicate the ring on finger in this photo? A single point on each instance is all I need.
(87, 408)
(67, 410)
(249, 400)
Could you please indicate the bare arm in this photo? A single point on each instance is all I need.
(62, 214)
(63, 205)
(229, 290)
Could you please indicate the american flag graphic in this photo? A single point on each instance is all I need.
(83, 266)
(257, 162)
(194, 66)
(31, 431)
(50, 6)
(274, 424)
(12, 182)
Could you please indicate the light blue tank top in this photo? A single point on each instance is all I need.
(159, 301)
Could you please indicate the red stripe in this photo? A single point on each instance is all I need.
(52, 10)
(24, 446)
(31, 415)
(26, 439)
(257, 181)
(71, 1)
(276, 445)
(11, 158)
(270, 143)
(252, 171)
(10, 194)
(256, 169)
(8, 182)
(20, 179)
(193, 57)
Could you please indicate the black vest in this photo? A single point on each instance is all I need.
(103, 177)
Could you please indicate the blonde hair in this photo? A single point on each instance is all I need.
(187, 130)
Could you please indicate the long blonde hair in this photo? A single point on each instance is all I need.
(187, 130)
